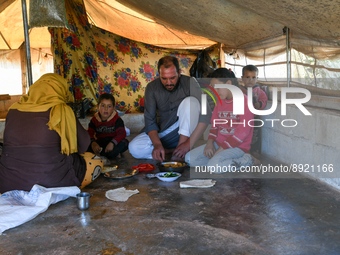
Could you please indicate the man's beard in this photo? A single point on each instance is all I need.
(172, 86)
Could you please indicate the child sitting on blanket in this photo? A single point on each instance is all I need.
(229, 137)
(107, 130)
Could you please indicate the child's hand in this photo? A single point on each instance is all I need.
(218, 150)
(209, 150)
(256, 102)
(255, 98)
(109, 147)
(96, 148)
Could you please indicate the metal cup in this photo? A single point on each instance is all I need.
(83, 200)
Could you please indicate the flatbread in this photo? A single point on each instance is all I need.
(120, 194)
(109, 169)
(196, 183)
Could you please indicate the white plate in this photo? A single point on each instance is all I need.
(167, 179)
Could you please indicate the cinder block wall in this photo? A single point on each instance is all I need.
(315, 140)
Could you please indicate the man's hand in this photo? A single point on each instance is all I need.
(182, 149)
(109, 147)
(209, 149)
(96, 148)
(158, 152)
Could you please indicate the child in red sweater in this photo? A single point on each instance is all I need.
(107, 129)
(228, 143)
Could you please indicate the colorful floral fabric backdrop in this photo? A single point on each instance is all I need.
(95, 61)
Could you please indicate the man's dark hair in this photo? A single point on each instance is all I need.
(168, 61)
(250, 68)
(108, 97)
(224, 75)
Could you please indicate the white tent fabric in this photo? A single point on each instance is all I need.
(112, 17)
(246, 29)
(240, 24)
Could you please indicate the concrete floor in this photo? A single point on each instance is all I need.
(236, 216)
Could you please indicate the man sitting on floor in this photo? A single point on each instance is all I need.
(173, 122)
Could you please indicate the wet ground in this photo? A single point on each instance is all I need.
(236, 216)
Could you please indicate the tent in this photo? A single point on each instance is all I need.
(255, 30)
(191, 23)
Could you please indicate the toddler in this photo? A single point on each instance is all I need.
(249, 78)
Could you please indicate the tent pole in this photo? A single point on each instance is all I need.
(27, 43)
(288, 57)
(221, 52)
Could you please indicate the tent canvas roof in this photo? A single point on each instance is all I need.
(188, 23)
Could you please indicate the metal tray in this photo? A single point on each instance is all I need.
(116, 174)
(180, 169)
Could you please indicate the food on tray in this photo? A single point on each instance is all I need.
(117, 175)
(144, 167)
(174, 165)
(122, 175)
(109, 169)
(170, 174)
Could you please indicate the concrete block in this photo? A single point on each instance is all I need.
(283, 147)
(274, 120)
(327, 125)
(306, 125)
(319, 154)
(286, 148)
(268, 141)
(275, 144)
(299, 151)
(332, 157)
(283, 124)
